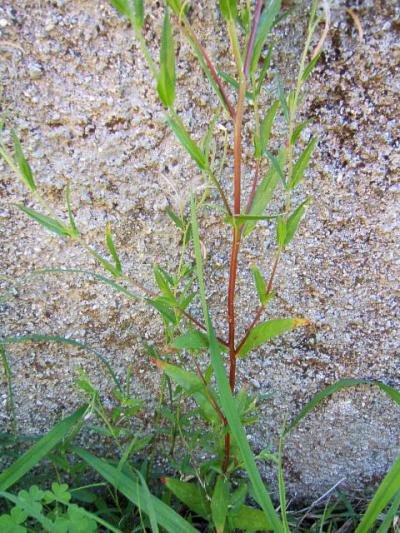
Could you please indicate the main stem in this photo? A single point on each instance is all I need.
(235, 249)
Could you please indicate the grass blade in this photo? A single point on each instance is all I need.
(339, 385)
(7, 374)
(38, 451)
(61, 340)
(389, 487)
(228, 403)
(166, 517)
(390, 515)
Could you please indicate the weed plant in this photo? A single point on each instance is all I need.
(200, 364)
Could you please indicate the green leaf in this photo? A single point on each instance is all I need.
(277, 166)
(387, 490)
(228, 9)
(191, 495)
(390, 515)
(112, 250)
(265, 129)
(267, 331)
(192, 340)
(234, 83)
(31, 508)
(149, 503)
(282, 98)
(164, 308)
(167, 79)
(193, 385)
(262, 197)
(74, 230)
(227, 401)
(251, 520)
(39, 450)
(260, 285)
(297, 131)
(166, 516)
(50, 224)
(281, 231)
(310, 67)
(24, 167)
(175, 219)
(390, 485)
(176, 6)
(294, 221)
(187, 142)
(219, 503)
(238, 497)
(132, 9)
(264, 27)
(302, 163)
(163, 284)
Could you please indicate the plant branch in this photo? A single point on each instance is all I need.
(187, 29)
(250, 46)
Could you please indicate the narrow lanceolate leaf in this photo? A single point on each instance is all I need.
(112, 250)
(190, 494)
(302, 163)
(193, 385)
(262, 197)
(234, 83)
(166, 516)
(132, 9)
(228, 9)
(228, 403)
(267, 331)
(74, 229)
(264, 27)
(50, 224)
(265, 129)
(164, 308)
(39, 450)
(260, 285)
(310, 67)
(297, 131)
(175, 218)
(277, 166)
(163, 284)
(24, 167)
(187, 142)
(166, 79)
(250, 520)
(294, 221)
(192, 340)
(219, 503)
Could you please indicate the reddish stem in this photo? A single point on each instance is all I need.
(186, 26)
(250, 46)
